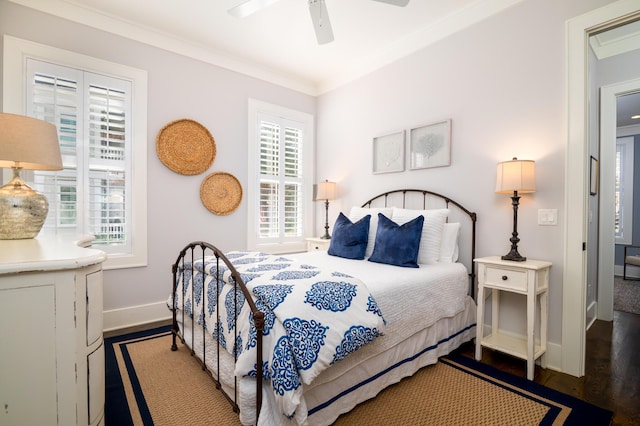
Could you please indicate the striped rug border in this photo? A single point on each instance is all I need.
(125, 404)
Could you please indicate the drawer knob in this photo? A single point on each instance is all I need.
(504, 278)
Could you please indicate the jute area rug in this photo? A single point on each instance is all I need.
(148, 384)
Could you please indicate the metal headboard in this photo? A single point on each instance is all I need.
(422, 199)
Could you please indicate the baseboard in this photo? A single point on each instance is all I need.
(133, 316)
(632, 271)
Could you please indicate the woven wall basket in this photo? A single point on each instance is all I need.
(186, 147)
(221, 193)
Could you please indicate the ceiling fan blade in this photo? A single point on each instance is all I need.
(321, 23)
(401, 3)
(249, 7)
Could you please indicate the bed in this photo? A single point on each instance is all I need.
(303, 338)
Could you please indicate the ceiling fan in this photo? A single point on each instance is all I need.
(317, 9)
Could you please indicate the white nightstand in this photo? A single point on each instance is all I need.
(530, 278)
(314, 244)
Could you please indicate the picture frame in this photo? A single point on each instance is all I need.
(388, 153)
(593, 176)
(430, 145)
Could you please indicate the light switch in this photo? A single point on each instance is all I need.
(547, 216)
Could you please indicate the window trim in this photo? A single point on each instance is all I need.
(255, 109)
(16, 51)
(627, 177)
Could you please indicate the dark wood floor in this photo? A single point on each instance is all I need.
(612, 368)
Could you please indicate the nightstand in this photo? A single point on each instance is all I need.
(530, 278)
(314, 244)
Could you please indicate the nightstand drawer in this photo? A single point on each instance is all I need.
(506, 278)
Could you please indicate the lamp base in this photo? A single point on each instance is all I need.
(22, 210)
(514, 256)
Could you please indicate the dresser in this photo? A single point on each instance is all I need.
(52, 352)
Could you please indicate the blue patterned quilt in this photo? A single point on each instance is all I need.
(313, 318)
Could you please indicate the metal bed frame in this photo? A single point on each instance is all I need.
(408, 198)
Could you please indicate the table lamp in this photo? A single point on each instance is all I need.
(515, 176)
(30, 144)
(326, 191)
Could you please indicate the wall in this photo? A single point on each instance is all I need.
(502, 82)
(178, 87)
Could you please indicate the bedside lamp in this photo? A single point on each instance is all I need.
(326, 191)
(30, 144)
(512, 177)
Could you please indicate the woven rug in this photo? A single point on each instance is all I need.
(148, 384)
(626, 295)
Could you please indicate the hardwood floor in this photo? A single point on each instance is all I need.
(612, 368)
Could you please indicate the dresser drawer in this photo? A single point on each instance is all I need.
(506, 278)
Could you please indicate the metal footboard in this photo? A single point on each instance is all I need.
(186, 259)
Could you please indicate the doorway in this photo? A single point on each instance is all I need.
(579, 30)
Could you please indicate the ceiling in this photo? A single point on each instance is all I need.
(278, 44)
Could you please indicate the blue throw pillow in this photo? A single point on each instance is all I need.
(397, 244)
(349, 239)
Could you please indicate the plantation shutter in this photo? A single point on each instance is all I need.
(106, 160)
(280, 179)
(92, 192)
(54, 96)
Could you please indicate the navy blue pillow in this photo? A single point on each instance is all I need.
(397, 244)
(349, 239)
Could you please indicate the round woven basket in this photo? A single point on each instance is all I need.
(221, 193)
(186, 147)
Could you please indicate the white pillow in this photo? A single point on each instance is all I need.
(358, 213)
(449, 245)
(434, 220)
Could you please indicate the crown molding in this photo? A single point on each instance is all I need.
(346, 73)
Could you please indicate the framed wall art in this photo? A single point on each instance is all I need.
(430, 145)
(388, 153)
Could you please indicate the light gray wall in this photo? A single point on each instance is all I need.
(179, 87)
(503, 84)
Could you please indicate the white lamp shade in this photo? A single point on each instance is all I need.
(28, 143)
(326, 191)
(516, 175)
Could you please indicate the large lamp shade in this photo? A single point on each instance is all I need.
(25, 143)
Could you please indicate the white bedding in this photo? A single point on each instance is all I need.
(428, 314)
(410, 298)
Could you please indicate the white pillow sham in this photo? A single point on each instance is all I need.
(434, 220)
(449, 245)
(358, 213)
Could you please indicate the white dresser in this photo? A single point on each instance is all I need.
(52, 352)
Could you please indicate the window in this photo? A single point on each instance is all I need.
(280, 184)
(624, 190)
(102, 135)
